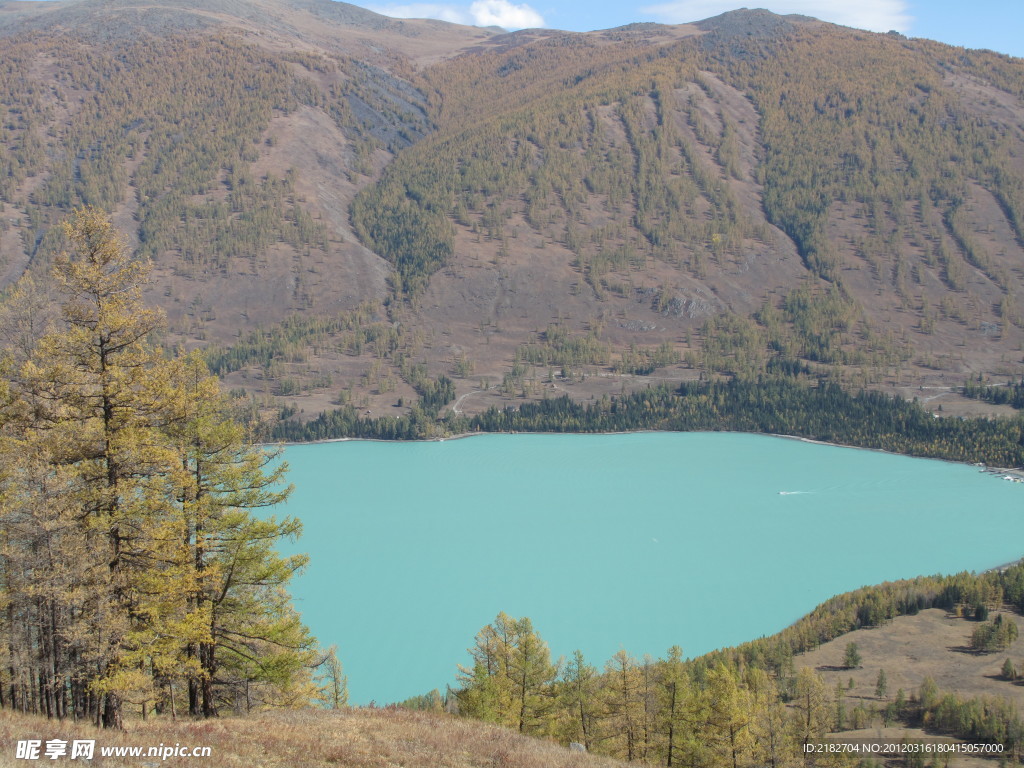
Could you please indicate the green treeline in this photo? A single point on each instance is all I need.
(986, 720)
(993, 635)
(133, 574)
(347, 422)
(1012, 394)
(742, 706)
(776, 406)
(770, 405)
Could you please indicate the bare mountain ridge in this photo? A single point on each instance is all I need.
(747, 187)
(324, 25)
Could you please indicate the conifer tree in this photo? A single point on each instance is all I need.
(851, 657)
(119, 464)
(675, 696)
(814, 713)
(1009, 672)
(881, 685)
(99, 396)
(578, 700)
(334, 684)
(533, 676)
(768, 724)
(486, 691)
(727, 729)
(512, 678)
(229, 552)
(624, 704)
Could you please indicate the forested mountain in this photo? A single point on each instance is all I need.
(343, 206)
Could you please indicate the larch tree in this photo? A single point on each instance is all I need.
(624, 704)
(129, 560)
(532, 675)
(814, 714)
(236, 575)
(675, 694)
(486, 687)
(768, 726)
(881, 685)
(99, 395)
(511, 681)
(333, 683)
(851, 656)
(727, 727)
(578, 701)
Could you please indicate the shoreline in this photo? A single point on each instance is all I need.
(1016, 472)
(1004, 566)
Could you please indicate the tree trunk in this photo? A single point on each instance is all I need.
(112, 712)
(208, 659)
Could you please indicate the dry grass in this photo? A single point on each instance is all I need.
(911, 648)
(932, 644)
(363, 738)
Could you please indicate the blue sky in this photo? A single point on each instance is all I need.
(995, 24)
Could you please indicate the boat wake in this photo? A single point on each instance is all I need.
(793, 493)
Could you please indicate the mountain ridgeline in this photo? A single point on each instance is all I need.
(393, 200)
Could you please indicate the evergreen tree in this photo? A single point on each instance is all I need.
(881, 685)
(851, 657)
(1009, 672)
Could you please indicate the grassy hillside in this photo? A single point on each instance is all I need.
(367, 738)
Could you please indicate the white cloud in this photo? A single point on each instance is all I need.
(482, 13)
(876, 15)
(502, 13)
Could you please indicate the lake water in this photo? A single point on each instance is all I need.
(639, 541)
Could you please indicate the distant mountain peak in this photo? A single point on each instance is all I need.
(751, 22)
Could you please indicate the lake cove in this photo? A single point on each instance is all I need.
(636, 541)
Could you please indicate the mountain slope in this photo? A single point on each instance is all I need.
(325, 25)
(415, 197)
(678, 171)
(206, 167)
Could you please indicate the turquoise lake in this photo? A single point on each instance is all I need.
(637, 541)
